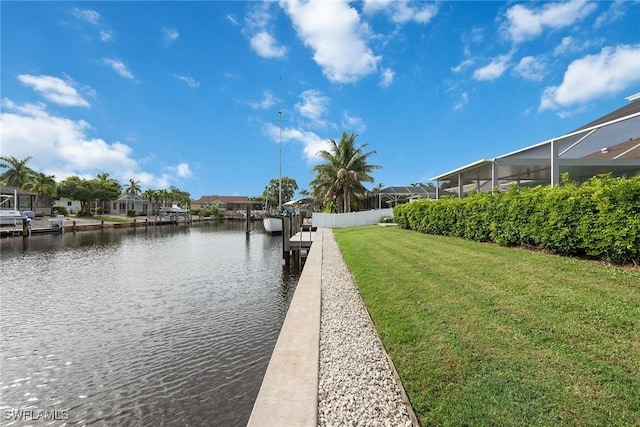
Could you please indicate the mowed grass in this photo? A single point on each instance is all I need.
(486, 335)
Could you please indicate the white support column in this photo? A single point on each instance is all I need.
(555, 166)
(437, 190)
(494, 176)
(460, 186)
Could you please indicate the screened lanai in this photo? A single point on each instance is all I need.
(608, 144)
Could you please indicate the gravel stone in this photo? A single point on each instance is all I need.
(357, 386)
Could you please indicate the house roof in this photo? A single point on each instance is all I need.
(127, 196)
(607, 144)
(408, 191)
(225, 199)
(9, 191)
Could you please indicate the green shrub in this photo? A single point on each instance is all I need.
(59, 210)
(131, 213)
(600, 218)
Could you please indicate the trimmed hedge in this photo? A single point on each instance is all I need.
(599, 219)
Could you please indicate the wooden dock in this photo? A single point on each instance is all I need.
(296, 239)
(302, 240)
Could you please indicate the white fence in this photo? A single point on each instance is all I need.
(353, 219)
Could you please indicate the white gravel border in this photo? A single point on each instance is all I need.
(357, 384)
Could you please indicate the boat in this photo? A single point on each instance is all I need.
(272, 224)
(174, 209)
(10, 216)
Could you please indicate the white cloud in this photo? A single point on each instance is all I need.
(462, 102)
(258, 22)
(183, 170)
(54, 89)
(523, 23)
(353, 123)
(106, 35)
(312, 144)
(268, 101)
(570, 44)
(170, 34)
(332, 29)
(92, 17)
(119, 67)
(616, 10)
(401, 11)
(266, 46)
(463, 65)
(62, 147)
(494, 69)
(88, 15)
(531, 68)
(387, 78)
(608, 72)
(314, 105)
(232, 19)
(188, 80)
(566, 45)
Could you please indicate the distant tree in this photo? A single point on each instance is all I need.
(111, 183)
(149, 195)
(305, 193)
(420, 184)
(182, 198)
(133, 188)
(89, 192)
(17, 172)
(377, 188)
(271, 193)
(43, 185)
(340, 177)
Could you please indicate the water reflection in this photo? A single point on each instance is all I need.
(169, 325)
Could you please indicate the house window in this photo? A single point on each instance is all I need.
(123, 207)
(69, 203)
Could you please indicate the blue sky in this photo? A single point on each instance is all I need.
(187, 94)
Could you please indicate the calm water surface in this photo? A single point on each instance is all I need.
(168, 326)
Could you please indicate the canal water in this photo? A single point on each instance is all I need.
(163, 326)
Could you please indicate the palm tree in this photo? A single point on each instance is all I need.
(17, 172)
(339, 179)
(149, 195)
(133, 188)
(43, 185)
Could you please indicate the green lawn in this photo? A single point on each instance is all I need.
(486, 335)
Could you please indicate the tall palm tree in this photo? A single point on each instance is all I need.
(43, 185)
(149, 195)
(133, 188)
(339, 179)
(17, 172)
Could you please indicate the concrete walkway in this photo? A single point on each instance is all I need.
(329, 366)
(289, 392)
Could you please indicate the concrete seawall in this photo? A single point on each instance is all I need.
(289, 392)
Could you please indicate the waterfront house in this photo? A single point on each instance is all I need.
(27, 201)
(128, 202)
(72, 206)
(609, 144)
(229, 206)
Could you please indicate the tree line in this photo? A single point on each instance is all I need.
(338, 184)
(89, 192)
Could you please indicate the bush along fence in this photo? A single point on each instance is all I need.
(599, 218)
